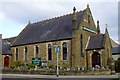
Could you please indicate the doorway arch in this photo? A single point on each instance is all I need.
(6, 61)
(95, 59)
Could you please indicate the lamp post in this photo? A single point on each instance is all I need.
(57, 52)
(57, 66)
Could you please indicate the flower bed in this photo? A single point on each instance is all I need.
(53, 72)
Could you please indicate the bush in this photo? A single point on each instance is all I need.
(51, 66)
(16, 64)
(109, 62)
(116, 79)
(31, 66)
(117, 65)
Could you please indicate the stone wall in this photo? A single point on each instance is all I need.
(77, 59)
(43, 53)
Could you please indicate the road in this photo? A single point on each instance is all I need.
(53, 77)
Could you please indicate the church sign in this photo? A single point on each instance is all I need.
(36, 61)
(88, 29)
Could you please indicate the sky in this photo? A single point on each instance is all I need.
(16, 14)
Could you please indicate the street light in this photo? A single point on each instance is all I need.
(57, 48)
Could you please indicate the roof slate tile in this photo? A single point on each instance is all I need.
(95, 42)
(48, 30)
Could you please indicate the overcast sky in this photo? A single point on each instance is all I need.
(15, 14)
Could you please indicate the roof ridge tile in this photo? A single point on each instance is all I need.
(56, 17)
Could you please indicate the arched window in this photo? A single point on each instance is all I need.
(26, 53)
(36, 51)
(88, 18)
(64, 46)
(81, 45)
(49, 52)
(16, 54)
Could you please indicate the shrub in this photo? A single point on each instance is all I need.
(117, 65)
(31, 66)
(16, 64)
(51, 66)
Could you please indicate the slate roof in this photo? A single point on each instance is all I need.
(48, 30)
(114, 44)
(10, 40)
(116, 50)
(95, 42)
(5, 47)
(6, 43)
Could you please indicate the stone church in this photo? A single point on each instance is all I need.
(81, 43)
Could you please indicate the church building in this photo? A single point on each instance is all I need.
(81, 43)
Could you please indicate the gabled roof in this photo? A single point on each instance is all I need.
(48, 30)
(95, 42)
(10, 40)
(116, 50)
(114, 44)
(6, 43)
(5, 47)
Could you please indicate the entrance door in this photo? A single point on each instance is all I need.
(6, 61)
(95, 59)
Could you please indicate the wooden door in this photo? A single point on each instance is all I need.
(95, 59)
(6, 61)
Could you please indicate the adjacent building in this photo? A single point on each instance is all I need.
(116, 52)
(0, 50)
(6, 51)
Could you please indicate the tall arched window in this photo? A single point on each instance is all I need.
(26, 53)
(49, 52)
(64, 46)
(16, 54)
(36, 51)
(81, 45)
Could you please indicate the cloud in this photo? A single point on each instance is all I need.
(1, 16)
(59, 1)
(22, 12)
(107, 13)
(25, 11)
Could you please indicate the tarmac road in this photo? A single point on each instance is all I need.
(53, 77)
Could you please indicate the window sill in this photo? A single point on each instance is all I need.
(64, 60)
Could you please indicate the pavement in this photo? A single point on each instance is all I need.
(54, 77)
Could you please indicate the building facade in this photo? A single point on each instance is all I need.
(80, 41)
(6, 52)
(116, 52)
(0, 50)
